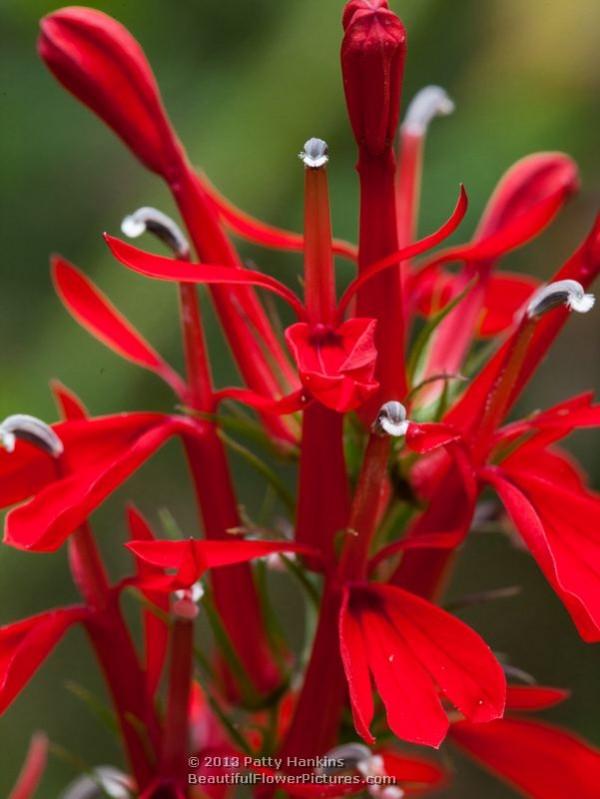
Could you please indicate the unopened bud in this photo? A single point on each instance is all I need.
(22, 427)
(430, 102)
(151, 220)
(373, 52)
(391, 420)
(314, 153)
(569, 293)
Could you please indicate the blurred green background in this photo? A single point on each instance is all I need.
(246, 83)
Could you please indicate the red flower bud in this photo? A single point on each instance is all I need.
(373, 52)
(100, 62)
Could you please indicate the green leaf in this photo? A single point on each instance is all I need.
(264, 470)
(94, 705)
(419, 348)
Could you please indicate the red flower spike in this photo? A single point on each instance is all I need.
(25, 644)
(373, 53)
(33, 768)
(538, 759)
(100, 62)
(411, 647)
(192, 558)
(560, 527)
(88, 306)
(98, 465)
(336, 365)
(156, 632)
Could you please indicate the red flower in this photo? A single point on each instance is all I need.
(560, 524)
(336, 365)
(25, 644)
(525, 201)
(538, 759)
(100, 455)
(354, 375)
(412, 649)
(192, 558)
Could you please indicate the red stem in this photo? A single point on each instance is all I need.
(117, 656)
(314, 726)
(381, 298)
(323, 494)
(176, 738)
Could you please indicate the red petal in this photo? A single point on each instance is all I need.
(94, 312)
(506, 294)
(533, 697)
(412, 774)
(33, 768)
(290, 404)
(192, 558)
(336, 365)
(99, 62)
(526, 200)
(541, 760)
(69, 405)
(58, 509)
(356, 667)
(160, 268)
(455, 656)
(25, 644)
(424, 438)
(413, 709)
(565, 547)
(259, 232)
(407, 252)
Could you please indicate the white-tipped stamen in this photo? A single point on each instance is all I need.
(358, 757)
(22, 427)
(346, 757)
(430, 102)
(569, 293)
(314, 154)
(151, 220)
(391, 420)
(103, 781)
(195, 593)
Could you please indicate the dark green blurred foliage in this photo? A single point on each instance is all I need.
(246, 83)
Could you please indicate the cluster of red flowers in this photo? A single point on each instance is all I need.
(367, 391)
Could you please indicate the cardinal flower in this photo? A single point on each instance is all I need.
(58, 494)
(414, 652)
(167, 269)
(526, 200)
